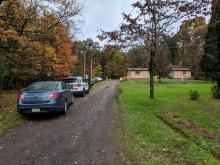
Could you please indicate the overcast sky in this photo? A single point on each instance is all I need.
(101, 14)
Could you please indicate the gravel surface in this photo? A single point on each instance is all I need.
(84, 136)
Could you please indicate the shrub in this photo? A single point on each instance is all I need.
(216, 92)
(169, 77)
(194, 95)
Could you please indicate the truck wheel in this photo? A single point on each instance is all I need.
(83, 93)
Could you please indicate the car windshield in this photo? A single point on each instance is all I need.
(44, 86)
(71, 80)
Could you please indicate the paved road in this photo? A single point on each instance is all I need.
(84, 136)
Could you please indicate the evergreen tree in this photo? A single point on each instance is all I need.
(211, 59)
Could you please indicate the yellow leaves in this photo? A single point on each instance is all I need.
(97, 71)
(49, 52)
(42, 44)
(193, 24)
(7, 34)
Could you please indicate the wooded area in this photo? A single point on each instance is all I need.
(35, 40)
(151, 28)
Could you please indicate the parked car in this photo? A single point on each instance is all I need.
(99, 79)
(44, 97)
(78, 85)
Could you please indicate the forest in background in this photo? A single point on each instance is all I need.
(38, 42)
(184, 48)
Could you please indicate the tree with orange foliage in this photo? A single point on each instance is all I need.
(34, 40)
(58, 38)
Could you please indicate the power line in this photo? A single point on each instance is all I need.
(123, 20)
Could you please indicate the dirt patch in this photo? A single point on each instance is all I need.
(192, 131)
(195, 128)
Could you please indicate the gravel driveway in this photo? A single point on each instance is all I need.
(84, 136)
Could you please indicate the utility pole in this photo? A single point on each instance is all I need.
(91, 67)
(84, 64)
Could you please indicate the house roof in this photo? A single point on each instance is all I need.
(138, 69)
(180, 69)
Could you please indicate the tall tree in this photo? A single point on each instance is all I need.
(191, 39)
(137, 57)
(172, 45)
(211, 60)
(153, 18)
(115, 63)
(91, 51)
(31, 35)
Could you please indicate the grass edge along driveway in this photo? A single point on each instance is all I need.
(8, 112)
(149, 140)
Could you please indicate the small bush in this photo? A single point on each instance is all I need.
(169, 77)
(216, 92)
(194, 95)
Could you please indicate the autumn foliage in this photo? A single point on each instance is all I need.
(35, 42)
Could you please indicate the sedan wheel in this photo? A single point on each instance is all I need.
(65, 108)
(72, 101)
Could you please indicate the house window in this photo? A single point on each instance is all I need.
(137, 72)
(184, 72)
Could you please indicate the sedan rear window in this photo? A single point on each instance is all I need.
(71, 80)
(44, 86)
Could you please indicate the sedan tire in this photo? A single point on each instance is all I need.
(65, 108)
(72, 100)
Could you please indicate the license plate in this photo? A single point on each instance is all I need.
(35, 110)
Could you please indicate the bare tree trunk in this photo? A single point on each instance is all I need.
(151, 69)
(159, 78)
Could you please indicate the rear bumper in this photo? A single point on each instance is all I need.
(78, 92)
(27, 109)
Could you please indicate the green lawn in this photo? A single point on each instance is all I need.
(150, 141)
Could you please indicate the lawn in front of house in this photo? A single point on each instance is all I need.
(149, 140)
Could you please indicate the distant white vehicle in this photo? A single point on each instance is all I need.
(99, 78)
(77, 85)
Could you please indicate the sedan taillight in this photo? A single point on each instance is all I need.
(20, 97)
(53, 96)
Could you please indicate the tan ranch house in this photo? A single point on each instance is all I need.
(180, 73)
(143, 73)
(138, 73)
